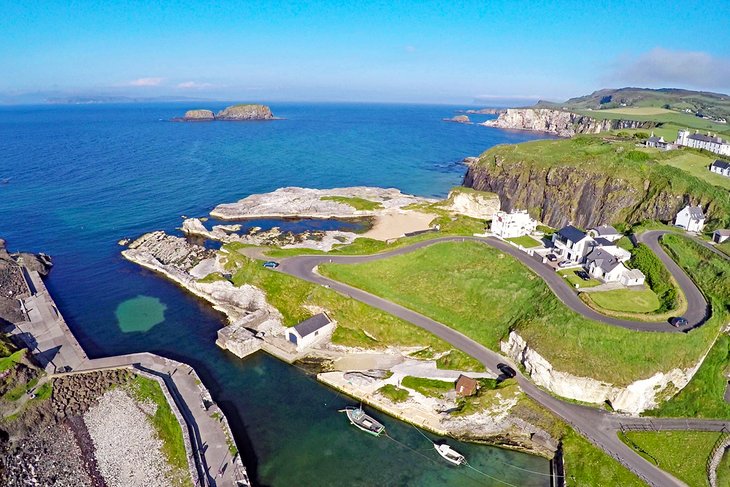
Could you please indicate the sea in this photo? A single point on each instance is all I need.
(76, 179)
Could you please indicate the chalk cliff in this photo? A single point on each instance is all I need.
(558, 122)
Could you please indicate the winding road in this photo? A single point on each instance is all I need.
(600, 427)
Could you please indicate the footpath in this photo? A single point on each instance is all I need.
(212, 451)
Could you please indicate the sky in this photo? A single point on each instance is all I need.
(482, 52)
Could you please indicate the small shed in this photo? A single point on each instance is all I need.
(720, 236)
(310, 331)
(466, 386)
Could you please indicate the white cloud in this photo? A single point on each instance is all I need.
(146, 82)
(680, 68)
(193, 85)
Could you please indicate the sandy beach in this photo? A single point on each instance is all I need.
(395, 224)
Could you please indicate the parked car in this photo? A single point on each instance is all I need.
(679, 321)
(270, 264)
(583, 275)
(552, 257)
(565, 263)
(506, 370)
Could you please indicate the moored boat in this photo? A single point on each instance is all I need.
(368, 424)
(449, 454)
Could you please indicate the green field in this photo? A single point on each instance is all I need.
(627, 300)
(668, 117)
(484, 294)
(358, 203)
(525, 241)
(683, 454)
(427, 387)
(394, 393)
(358, 325)
(697, 164)
(575, 281)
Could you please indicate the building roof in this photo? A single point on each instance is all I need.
(695, 212)
(721, 164)
(634, 274)
(706, 138)
(605, 230)
(723, 232)
(654, 139)
(571, 233)
(310, 325)
(466, 386)
(603, 259)
(604, 242)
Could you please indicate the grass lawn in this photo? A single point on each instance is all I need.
(628, 300)
(358, 325)
(166, 425)
(723, 471)
(525, 241)
(589, 466)
(484, 294)
(697, 164)
(357, 203)
(684, 454)
(724, 247)
(575, 281)
(636, 111)
(666, 117)
(489, 395)
(427, 387)
(12, 359)
(394, 393)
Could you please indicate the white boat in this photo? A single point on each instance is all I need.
(449, 454)
(364, 422)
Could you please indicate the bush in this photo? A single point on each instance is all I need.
(641, 135)
(657, 276)
(637, 156)
(624, 135)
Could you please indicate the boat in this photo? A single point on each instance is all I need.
(449, 454)
(366, 423)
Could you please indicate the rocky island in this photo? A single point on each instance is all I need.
(241, 112)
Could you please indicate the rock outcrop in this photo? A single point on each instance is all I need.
(633, 399)
(203, 115)
(475, 204)
(245, 112)
(458, 119)
(558, 122)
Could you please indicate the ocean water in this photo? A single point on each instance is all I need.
(80, 178)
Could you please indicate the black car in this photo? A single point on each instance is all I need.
(506, 370)
(583, 275)
(552, 257)
(679, 321)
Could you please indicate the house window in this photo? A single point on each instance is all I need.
(316, 333)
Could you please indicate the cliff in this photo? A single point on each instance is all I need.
(245, 112)
(558, 122)
(589, 181)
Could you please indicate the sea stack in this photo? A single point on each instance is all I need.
(193, 115)
(231, 113)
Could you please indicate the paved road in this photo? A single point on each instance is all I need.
(598, 426)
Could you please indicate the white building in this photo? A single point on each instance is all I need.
(512, 224)
(605, 231)
(602, 264)
(709, 142)
(691, 218)
(720, 167)
(720, 236)
(310, 331)
(572, 244)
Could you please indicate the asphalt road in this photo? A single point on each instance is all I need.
(598, 426)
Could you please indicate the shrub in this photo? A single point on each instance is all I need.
(657, 276)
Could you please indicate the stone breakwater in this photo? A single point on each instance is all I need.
(634, 398)
(559, 122)
(318, 203)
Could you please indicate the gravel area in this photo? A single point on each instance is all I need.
(128, 451)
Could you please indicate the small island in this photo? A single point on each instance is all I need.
(238, 112)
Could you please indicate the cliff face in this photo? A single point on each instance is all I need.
(558, 122)
(558, 195)
(245, 112)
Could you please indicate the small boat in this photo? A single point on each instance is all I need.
(366, 423)
(449, 454)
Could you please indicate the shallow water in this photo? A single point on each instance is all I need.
(83, 177)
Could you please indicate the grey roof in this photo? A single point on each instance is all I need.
(603, 242)
(706, 138)
(723, 233)
(653, 139)
(695, 212)
(606, 261)
(721, 164)
(312, 324)
(605, 230)
(571, 233)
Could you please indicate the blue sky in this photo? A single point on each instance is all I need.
(443, 52)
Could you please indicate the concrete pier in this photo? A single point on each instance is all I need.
(209, 440)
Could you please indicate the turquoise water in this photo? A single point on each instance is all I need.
(83, 177)
(140, 314)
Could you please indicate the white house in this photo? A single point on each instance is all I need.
(572, 244)
(659, 143)
(605, 231)
(512, 224)
(604, 265)
(720, 236)
(709, 142)
(691, 218)
(310, 331)
(720, 167)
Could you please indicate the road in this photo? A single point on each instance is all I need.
(600, 427)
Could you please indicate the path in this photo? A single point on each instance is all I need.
(598, 426)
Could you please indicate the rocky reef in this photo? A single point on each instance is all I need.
(241, 112)
(458, 119)
(559, 122)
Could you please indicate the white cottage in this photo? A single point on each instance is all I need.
(720, 167)
(512, 224)
(572, 244)
(605, 231)
(691, 218)
(603, 265)
(310, 331)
